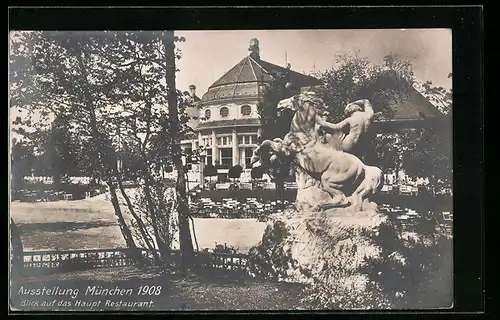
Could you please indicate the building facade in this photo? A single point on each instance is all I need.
(226, 121)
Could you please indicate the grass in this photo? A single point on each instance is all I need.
(92, 224)
(191, 293)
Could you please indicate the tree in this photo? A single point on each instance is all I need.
(235, 172)
(210, 171)
(429, 153)
(66, 75)
(113, 89)
(22, 162)
(16, 249)
(440, 96)
(185, 239)
(355, 78)
(273, 93)
(60, 151)
(274, 125)
(256, 173)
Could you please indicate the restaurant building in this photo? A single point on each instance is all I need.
(225, 121)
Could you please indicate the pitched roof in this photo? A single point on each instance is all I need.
(242, 81)
(416, 106)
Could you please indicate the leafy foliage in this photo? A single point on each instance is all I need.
(420, 152)
(272, 93)
(269, 259)
(440, 96)
(107, 92)
(426, 258)
(235, 172)
(355, 78)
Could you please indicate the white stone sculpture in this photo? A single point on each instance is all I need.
(326, 171)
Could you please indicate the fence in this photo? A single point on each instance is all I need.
(41, 262)
(223, 261)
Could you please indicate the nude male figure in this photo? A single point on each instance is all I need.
(358, 121)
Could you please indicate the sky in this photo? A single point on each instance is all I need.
(207, 55)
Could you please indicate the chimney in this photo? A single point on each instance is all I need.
(254, 49)
(192, 91)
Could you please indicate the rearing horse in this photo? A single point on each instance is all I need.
(336, 170)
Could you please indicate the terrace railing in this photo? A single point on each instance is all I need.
(43, 262)
(223, 261)
(72, 260)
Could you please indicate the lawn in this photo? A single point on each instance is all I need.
(177, 293)
(91, 224)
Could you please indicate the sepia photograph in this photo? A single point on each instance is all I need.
(202, 170)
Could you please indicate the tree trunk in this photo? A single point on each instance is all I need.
(16, 262)
(140, 223)
(127, 234)
(103, 163)
(185, 240)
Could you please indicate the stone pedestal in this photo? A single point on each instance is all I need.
(333, 250)
(311, 198)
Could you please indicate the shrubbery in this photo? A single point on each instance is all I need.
(410, 270)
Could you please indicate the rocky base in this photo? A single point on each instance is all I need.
(347, 259)
(311, 198)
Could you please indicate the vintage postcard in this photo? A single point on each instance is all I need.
(231, 170)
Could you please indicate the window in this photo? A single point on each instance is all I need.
(207, 114)
(252, 139)
(207, 141)
(226, 157)
(246, 110)
(209, 156)
(224, 112)
(224, 141)
(248, 157)
(247, 139)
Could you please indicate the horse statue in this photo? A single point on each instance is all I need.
(316, 147)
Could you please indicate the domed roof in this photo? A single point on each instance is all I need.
(242, 81)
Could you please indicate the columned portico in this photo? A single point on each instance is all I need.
(235, 148)
(227, 116)
(215, 151)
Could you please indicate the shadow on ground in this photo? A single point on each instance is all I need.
(84, 291)
(31, 228)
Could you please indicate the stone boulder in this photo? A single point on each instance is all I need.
(345, 259)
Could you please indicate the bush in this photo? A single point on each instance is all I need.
(402, 276)
(269, 260)
(359, 267)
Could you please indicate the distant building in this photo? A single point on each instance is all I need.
(413, 111)
(227, 123)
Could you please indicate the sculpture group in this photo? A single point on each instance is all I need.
(322, 153)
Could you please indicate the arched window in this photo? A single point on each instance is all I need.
(207, 114)
(224, 112)
(246, 110)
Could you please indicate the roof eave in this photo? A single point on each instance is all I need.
(248, 99)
